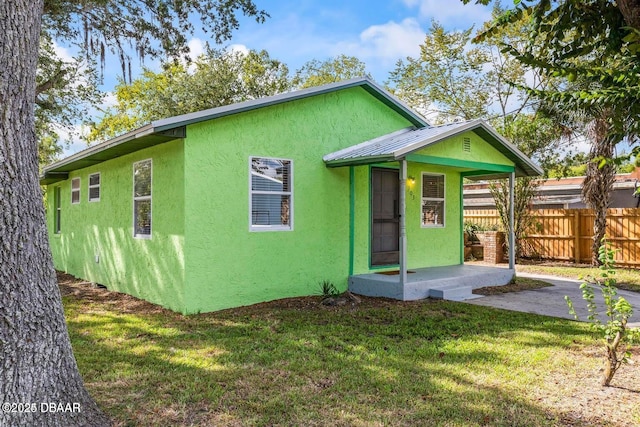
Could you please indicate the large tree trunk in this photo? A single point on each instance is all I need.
(597, 185)
(37, 367)
(630, 10)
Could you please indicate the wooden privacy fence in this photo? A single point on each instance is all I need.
(566, 234)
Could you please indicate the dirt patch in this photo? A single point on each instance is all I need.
(92, 293)
(520, 284)
(88, 292)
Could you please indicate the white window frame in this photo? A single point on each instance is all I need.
(95, 199)
(253, 227)
(76, 190)
(442, 199)
(142, 198)
(57, 210)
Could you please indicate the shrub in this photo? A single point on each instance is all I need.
(618, 337)
(328, 289)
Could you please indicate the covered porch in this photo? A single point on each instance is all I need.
(434, 264)
(455, 282)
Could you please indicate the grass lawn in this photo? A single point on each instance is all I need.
(377, 363)
(627, 278)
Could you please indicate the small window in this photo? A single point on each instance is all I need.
(432, 200)
(94, 187)
(75, 190)
(271, 194)
(142, 172)
(57, 210)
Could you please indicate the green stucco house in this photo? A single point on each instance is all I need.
(265, 199)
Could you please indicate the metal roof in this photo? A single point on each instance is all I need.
(160, 131)
(398, 145)
(370, 86)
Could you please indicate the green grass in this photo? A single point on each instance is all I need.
(294, 362)
(627, 278)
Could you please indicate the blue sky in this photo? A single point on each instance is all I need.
(379, 32)
(376, 31)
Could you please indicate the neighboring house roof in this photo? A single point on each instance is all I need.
(554, 191)
(399, 144)
(160, 131)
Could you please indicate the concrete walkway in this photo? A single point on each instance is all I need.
(550, 300)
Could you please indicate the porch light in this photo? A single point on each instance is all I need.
(411, 181)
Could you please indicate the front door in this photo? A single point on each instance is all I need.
(385, 220)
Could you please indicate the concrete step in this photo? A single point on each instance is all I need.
(451, 293)
(466, 298)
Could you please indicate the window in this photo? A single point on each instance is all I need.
(142, 199)
(271, 194)
(432, 200)
(57, 210)
(94, 187)
(75, 190)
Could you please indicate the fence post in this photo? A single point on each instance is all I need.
(576, 237)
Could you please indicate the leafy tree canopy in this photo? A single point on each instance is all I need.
(594, 44)
(342, 67)
(454, 80)
(219, 77)
(65, 91)
(447, 78)
(150, 27)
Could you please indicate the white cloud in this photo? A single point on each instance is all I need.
(109, 100)
(451, 12)
(196, 47)
(386, 43)
(239, 48)
(63, 52)
(394, 40)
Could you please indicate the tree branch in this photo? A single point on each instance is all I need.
(50, 83)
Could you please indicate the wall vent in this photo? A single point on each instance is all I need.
(466, 145)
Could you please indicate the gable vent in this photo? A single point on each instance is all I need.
(466, 145)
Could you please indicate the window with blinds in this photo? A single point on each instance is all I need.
(142, 173)
(94, 187)
(432, 200)
(75, 190)
(271, 194)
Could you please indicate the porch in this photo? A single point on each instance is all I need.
(453, 282)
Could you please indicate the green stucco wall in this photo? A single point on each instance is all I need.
(426, 246)
(203, 256)
(227, 265)
(152, 269)
(481, 151)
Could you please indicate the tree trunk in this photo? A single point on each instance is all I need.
(630, 10)
(39, 380)
(612, 363)
(597, 185)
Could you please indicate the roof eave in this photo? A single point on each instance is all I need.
(529, 169)
(130, 142)
(359, 161)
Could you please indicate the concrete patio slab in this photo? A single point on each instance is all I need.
(550, 300)
(451, 282)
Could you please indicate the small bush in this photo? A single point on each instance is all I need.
(328, 289)
(618, 337)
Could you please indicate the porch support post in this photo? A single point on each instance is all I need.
(512, 232)
(403, 229)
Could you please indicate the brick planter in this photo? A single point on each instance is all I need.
(493, 243)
